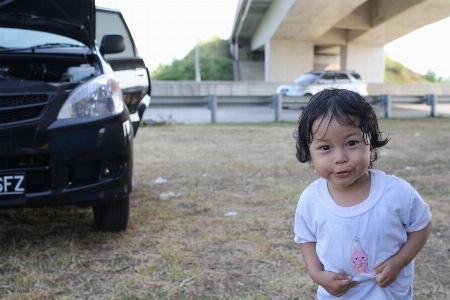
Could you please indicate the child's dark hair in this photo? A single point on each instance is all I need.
(345, 107)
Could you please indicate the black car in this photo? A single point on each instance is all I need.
(70, 107)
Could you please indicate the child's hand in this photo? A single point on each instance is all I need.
(336, 284)
(391, 268)
(389, 271)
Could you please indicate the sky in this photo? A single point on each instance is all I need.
(164, 30)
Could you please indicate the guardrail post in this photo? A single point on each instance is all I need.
(277, 101)
(386, 103)
(431, 101)
(212, 103)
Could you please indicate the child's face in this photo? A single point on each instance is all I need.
(339, 153)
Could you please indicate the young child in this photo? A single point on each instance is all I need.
(359, 229)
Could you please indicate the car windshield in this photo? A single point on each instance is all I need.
(12, 38)
(307, 78)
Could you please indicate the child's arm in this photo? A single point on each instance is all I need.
(334, 283)
(392, 267)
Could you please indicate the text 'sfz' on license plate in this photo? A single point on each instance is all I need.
(12, 188)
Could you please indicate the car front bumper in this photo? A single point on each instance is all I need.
(74, 161)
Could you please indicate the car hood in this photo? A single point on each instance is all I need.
(71, 18)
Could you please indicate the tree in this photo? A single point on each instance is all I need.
(215, 62)
(431, 76)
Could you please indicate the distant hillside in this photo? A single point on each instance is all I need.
(395, 72)
(216, 63)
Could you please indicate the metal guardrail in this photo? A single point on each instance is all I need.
(278, 102)
(431, 100)
(189, 101)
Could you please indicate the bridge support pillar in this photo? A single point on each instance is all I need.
(286, 60)
(367, 60)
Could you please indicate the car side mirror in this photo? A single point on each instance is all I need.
(112, 43)
(321, 81)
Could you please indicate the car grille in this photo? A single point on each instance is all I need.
(17, 108)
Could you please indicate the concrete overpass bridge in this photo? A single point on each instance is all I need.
(278, 40)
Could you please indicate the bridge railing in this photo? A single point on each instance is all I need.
(278, 102)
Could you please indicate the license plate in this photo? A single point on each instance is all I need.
(12, 187)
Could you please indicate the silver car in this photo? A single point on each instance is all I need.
(313, 82)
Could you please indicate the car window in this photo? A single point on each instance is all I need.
(342, 78)
(110, 22)
(23, 38)
(307, 78)
(357, 76)
(327, 79)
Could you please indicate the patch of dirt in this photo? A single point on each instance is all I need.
(185, 247)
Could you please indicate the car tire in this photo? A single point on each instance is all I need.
(306, 95)
(112, 217)
(135, 127)
(140, 112)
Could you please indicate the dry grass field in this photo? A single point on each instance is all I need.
(186, 247)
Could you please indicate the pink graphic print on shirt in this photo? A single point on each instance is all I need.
(359, 258)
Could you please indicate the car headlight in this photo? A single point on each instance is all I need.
(282, 88)
(100, 96)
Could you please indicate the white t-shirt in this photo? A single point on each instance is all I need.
(354, 240)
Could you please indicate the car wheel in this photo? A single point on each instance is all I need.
(135, 127)
(141, 111)
(306, 95)
(112, 217)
